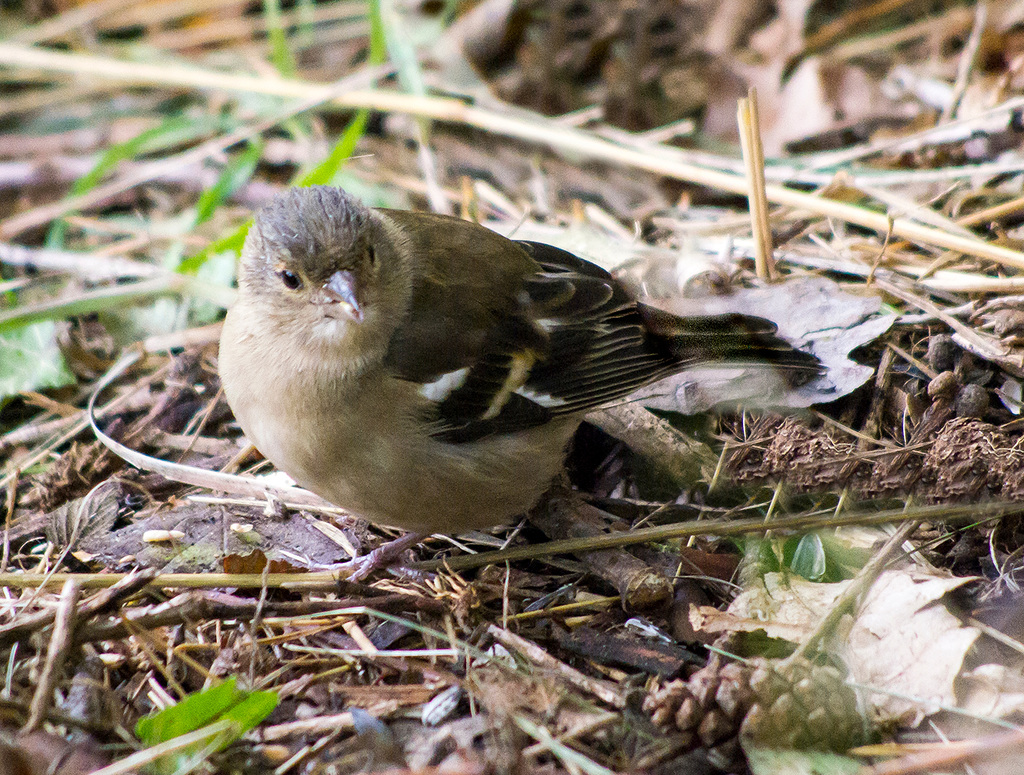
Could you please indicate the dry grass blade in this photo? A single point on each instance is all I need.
(753, 158)
(536, 130)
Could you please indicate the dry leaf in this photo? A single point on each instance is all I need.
(903, 640)
(906, 641)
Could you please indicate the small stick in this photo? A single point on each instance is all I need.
(103, 601)
(600, 689)
(565, 515)
(56, 655)
(197, 606)
(312, 726)
(646, 434)
(952, 753)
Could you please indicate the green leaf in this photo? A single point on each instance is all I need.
(252, 710)
(31, 360)
(809, 557)
(223, 702)
(195, 711)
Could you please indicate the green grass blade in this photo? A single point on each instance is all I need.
(324, 172)
(280, 55)
(114, 297)
(235, 174)
(169, 133)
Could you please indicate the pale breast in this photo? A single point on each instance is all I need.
(361, 443)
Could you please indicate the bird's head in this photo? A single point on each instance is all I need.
(322, 268)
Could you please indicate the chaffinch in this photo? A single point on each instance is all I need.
(427, 373)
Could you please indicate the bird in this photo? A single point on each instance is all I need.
(426, 373)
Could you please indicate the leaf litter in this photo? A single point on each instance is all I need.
(901, 273)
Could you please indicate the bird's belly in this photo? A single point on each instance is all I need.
(383, 466)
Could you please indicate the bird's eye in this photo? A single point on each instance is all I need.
(371, 255)
(291, 280)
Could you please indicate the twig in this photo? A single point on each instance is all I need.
(104, 601)
(198, 606)
(600, 689)
(188, 606)
(10, 500)
(565, 515)
(60, 645)
(318, 725)
(115, 295)
(328, 580)
(685, 460)
(138, 760)
(144, 173)
(986, 347)
(950, 755)
(966, 63)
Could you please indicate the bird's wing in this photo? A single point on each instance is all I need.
(503, 336)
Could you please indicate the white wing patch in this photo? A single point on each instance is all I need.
(548, 402)
(445, 385)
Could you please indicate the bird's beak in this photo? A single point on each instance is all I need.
(340, 289)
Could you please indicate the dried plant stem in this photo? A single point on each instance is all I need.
(137, 761)
(534, 129)
(753, 159)
(565, 515)
(951, 754)
(600, 689)
(966, 63)
(318, 725)
(115, 296)
(671, 451)
(994, 213)
(328, 580)
(126, 587)
(90, 266)
(987, 347)
(56, 654)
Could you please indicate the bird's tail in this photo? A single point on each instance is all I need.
(732, 338)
